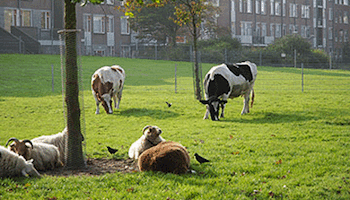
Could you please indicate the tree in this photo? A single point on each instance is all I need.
(75, 159)
(346, 52)
(188, 13)
(154, 23)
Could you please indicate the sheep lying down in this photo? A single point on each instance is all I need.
(168, 157)
(45, 156)
(12, 164)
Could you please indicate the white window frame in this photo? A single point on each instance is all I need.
(124, 25)
(272, 7)
(257, 6)
(263, 7)
(249, 6)
(45, 20)
(278, 8)
(24, 16)
(110, 24)
(99, 23)
(87, 23)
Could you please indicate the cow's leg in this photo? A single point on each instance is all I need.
(119, 97)
(97, 104)
(115, 102)
(223, 105)
(206, 115)
(245, 103)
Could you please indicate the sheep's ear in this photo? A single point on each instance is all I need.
(30, 161)
(146, 127)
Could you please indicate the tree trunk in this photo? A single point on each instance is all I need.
(75, 159)
(196, 64)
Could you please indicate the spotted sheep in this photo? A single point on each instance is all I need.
(228, 81)
(107, 83)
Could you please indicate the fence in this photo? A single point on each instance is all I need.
(260, 57)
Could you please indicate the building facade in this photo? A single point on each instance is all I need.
(30, 26)
(325, 23)
(103, 31)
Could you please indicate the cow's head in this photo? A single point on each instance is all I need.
(213, 104)
(104, 93)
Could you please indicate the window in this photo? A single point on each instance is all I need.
(278, 8)
(272, 30)
(263, 29)
(45, 20)
(278, 30)
(99, 24)
(110, 24)
(284, 7)
(246, 28)
(346, 35)
(240, 5)
(124, 25)
(272, 7)
(330, 33)
(305, 11)
(346, 19)
(249, 6)
(26, 17)
(293, 10)
(11, 19)
(87, 23)
(263, 7)
(330, 14)
(257, 7)
(302, 31)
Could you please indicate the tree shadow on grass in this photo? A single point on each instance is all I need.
(142, 112)
(272, 118)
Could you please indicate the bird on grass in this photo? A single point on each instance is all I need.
(200, 159)
(111, 150)
(169, 104)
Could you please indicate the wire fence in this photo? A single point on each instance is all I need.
(258, 56)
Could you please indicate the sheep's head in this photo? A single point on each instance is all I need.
(30, 170)
(151, 132)
(20, 147)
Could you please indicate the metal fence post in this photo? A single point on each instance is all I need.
(302, 77)
(52, 83)
(175, 78)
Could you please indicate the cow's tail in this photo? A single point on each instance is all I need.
(253, 95)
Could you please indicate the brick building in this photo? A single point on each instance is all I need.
(30, 26)
(325, 23)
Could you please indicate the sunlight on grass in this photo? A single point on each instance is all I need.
(292, 145)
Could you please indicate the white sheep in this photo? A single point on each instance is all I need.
(60, 140)
(12, 164)
(45, 156)
(151, 137)
(168, 157)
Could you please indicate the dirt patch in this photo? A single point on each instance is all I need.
(97, 166)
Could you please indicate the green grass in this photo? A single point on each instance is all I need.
(293, 144)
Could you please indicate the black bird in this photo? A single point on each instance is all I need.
(169, 104)
(111, 150)
(200, 159)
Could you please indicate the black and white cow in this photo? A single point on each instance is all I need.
(228, 81)
(107, 83)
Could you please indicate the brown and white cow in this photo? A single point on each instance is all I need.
(228, 81)
(107, 83)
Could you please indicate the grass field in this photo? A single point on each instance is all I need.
(293, 144)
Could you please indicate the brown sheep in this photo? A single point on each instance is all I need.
(165, 157)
